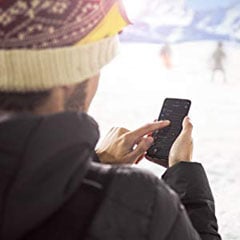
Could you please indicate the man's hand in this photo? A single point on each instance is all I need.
(181, 150)
(122, 146)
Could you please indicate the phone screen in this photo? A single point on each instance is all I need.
(174, 110)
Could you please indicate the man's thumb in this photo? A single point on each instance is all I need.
(187, 125)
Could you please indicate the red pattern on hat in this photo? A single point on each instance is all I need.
(42, 24)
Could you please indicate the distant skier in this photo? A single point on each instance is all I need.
(218, 59)
(165, 55)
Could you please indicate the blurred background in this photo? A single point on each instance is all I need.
(186, 49)
(174, 21)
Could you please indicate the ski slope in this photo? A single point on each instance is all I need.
(131, 92)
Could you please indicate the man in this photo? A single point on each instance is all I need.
(218, 59)
(165, 55)
(51, 55)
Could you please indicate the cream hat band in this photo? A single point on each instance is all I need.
(33, 70)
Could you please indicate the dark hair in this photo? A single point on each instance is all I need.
(76, 102)
(20, 102)
(29, 101)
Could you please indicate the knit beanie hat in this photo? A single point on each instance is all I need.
(49, 43)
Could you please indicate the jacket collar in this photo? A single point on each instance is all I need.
(50, 157)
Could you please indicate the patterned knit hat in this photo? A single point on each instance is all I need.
(48, 43)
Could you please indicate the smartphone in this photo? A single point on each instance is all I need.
(174, 110)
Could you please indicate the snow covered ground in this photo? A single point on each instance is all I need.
(131, 93)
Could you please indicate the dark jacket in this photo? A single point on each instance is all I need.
(44, 161)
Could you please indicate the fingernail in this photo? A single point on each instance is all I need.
(188, 119)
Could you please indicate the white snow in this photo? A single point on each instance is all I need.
(175, 16)
(168, 13)
(131, 92)
(204, 22)
(230, 24)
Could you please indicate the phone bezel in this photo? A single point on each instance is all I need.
(163, 161)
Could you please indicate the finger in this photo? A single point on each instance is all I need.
(141, 148)
(121, 131)
(140, 132)
(139, 159)
(117, 131)
(140, 139)
(150, 134)
(187, 125)
(111, 131)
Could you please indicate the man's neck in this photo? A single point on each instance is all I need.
(54, 104)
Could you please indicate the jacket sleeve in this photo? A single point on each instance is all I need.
(169, 219)
(96, 158)
(189, 180)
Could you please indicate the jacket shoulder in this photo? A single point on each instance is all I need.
(135, 185)
(131, 201)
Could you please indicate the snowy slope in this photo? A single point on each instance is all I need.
(174, 21)
(131, 92)
(222, 21)
(231, 22)
(165, 13)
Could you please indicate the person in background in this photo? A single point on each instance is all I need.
(54, 184)
(218, 58)
(166, 55)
